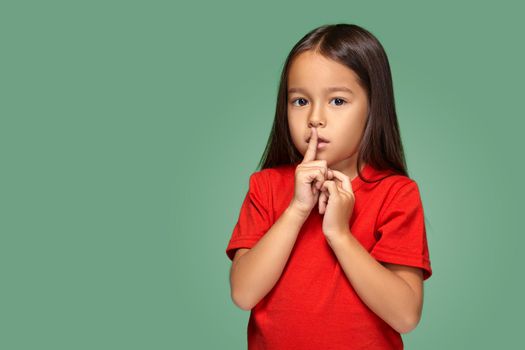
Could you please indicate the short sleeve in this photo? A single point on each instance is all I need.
(254, 216)
(402, 233)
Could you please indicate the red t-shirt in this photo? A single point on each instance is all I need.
(313, 305)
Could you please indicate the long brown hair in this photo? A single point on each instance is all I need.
(359, 50)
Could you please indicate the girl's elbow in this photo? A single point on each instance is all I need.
(409, 324)
(242, 305)
(240, 302)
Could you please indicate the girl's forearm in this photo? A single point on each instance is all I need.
(257, 271)
(384, 292)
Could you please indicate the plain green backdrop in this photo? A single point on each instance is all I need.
(129, 130)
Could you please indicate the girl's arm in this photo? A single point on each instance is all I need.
(255, 273)
(394, 292)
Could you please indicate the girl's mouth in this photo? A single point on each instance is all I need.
(321, 144)
(319, 139)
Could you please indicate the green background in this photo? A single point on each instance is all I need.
(128, 131)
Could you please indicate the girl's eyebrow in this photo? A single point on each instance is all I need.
(328, 89)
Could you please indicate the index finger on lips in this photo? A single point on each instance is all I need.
(312, 147)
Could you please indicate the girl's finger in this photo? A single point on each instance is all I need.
(323, 199)
(320, 173)
(345, 180)
(311, 151)
(315, 177)
(331, 187)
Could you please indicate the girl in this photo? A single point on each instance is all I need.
(347, 275)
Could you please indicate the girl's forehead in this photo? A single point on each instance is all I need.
(323, 77)
(313, 70)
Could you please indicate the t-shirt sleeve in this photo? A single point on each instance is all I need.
(402, 233)
(254, 216)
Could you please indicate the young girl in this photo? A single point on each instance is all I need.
(348, 274)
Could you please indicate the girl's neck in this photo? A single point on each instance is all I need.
(348, 167)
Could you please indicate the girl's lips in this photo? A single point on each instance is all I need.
(321, 144)
(319, 139)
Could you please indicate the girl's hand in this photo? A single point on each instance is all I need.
(309, 177)
(338, 205)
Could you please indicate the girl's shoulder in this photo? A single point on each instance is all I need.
(397, 180)
(386, 181)
(277, 174)
(274, 179)
(383, 175)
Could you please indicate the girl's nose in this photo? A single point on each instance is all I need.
(316, 118)
(315, 123)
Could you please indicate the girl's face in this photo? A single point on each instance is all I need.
(339, 115)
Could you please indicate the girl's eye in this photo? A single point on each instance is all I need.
(340, 99)
(334, 99)
(297, 99)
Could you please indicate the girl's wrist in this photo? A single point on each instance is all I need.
(298, 210)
